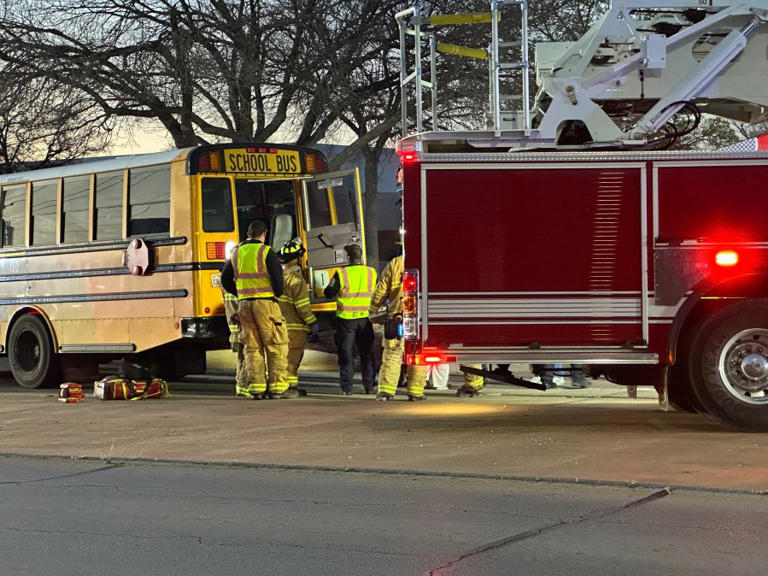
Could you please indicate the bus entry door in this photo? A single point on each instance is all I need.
(333, 218)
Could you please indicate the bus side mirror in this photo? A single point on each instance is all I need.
(2, 232)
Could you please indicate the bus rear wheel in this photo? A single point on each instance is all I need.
(30, 353)
(729, 365)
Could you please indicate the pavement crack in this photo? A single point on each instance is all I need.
(62, 476)
(596, 515)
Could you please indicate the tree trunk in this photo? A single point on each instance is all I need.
(371, 156)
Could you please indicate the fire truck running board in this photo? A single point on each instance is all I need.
(551, 356)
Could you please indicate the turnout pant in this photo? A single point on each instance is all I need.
(389, 373)
(241, 376)
(264, 335)
(472, 380)
(297, 341)
(350, 333)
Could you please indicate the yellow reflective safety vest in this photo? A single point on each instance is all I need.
(356, 290)
(251, 274)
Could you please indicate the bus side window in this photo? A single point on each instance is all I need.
(13, 212)
(108, 223)
(74, 220)
(218, 215)
(44, 211)
(149, 201)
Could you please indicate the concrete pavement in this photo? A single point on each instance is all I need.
(515, 434)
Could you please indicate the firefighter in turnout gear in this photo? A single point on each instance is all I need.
(255, 275)
(353, 286)
(294, 304)
(472, 383)
(390, 289)
(233, 322)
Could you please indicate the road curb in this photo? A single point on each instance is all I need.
(385, 472)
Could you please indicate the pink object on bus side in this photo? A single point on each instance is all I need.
(136, 257)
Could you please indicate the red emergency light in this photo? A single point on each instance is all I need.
(428, 358)
(409, 283)
(408, 152)
(727, 258)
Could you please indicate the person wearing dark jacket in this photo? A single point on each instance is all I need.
(254, 274)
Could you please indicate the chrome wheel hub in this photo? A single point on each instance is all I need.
(743, 365)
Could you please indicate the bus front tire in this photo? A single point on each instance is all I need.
(729, 365)
(30, 353)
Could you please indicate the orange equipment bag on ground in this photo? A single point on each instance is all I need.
(119, 388)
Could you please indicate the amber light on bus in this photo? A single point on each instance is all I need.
(727, 258)
(216, 250)
(315, 163)
(209, 162)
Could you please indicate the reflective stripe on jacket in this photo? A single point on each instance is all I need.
(251, 275)
(390, 288)
(355, 291)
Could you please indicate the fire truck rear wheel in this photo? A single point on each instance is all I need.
(34, 364)
(729, 365)
(680, 391)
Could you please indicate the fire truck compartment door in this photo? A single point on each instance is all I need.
(532, 256)
(333, 219)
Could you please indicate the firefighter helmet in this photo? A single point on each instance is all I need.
(292, 250)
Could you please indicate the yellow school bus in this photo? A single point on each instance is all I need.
(121, 257)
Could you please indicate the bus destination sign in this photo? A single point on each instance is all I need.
(270, 161)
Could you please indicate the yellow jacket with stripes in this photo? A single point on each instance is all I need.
(294, 302)
(390, 288)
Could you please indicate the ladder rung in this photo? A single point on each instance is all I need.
(445, 48)
(509, 97)
(460, 19)
(512, 65)
(510, 44)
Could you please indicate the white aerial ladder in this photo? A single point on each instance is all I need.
(621, 84)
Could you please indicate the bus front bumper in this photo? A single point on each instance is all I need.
(212, 329)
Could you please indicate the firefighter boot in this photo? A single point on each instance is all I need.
(469, 391)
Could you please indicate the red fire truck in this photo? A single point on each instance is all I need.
(584, 245)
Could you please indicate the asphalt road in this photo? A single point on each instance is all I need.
(73, 518)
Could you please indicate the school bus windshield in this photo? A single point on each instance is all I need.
(273, 202)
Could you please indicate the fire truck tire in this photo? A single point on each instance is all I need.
(680, 389)
(34, 364)
(729, 365)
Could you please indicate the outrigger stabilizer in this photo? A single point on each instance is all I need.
(507, 378)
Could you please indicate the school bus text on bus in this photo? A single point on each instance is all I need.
(284, 163)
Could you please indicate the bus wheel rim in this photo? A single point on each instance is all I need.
(743, 366)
